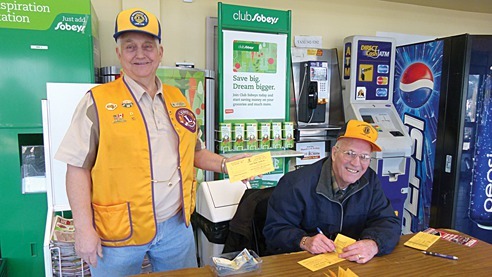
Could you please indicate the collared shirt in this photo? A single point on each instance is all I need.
(338, 193)
(327, 183)
(79, 146)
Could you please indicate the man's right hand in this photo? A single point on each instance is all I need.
(88, 246)
(318, 244)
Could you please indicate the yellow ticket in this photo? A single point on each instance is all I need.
(320, 261)
(421, 241)
(250, 167)
(342, 241)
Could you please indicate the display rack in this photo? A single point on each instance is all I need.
(254, 74)
(61, 101)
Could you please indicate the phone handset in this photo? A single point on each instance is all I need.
(313, 92)
(313, 95)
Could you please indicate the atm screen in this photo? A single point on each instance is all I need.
(368, 118)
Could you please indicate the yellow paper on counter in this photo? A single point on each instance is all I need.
(320, 261)
(249, 167)
(346, 273)
(330, 274)
(327, 259)
(421, 241)
(342, 241)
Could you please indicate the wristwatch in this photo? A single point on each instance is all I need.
(303, 240)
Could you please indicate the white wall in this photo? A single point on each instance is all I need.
(183, 24)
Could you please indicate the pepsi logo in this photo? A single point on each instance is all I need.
(416, 85)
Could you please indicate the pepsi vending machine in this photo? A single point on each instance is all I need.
(442, 94)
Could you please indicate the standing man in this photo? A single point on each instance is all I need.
(311, 205)
(130, 152)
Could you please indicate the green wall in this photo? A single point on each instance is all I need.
(51, 43)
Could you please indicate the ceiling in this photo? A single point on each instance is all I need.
(480, 6)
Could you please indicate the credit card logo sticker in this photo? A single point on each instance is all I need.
(381, 92)
(382, 80)
(383, 68)
(361, 93)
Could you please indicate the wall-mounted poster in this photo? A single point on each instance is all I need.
(254, 69)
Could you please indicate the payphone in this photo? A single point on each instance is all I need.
(318, 108)
(313, 92)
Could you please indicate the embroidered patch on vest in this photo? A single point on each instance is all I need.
(186, 118)
(127, 104)
(111, 106)
(118, 118)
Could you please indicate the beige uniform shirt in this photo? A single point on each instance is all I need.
(79, 146)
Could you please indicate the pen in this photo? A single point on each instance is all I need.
(321, 232)
(440, 255)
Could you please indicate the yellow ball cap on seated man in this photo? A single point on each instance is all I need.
(360, 130)
(137, 20)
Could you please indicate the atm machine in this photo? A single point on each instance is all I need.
(368, 69)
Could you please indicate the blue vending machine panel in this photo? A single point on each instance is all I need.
(416, 98)
(442, 93)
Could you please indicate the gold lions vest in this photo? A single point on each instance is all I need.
(122, 190)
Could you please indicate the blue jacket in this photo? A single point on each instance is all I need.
(303, 201)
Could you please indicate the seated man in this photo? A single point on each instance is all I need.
(311, 205)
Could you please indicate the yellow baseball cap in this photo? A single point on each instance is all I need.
(137, 20)
(360, 130)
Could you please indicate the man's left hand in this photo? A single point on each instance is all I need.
(360, 251)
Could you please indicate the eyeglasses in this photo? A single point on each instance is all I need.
(351, 155)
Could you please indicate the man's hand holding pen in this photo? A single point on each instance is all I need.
(360, 251)
(317, 244)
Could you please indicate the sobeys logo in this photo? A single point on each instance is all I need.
(257, 17)
(72, 24)
(68, 27)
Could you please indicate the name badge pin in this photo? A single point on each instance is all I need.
(178, 104)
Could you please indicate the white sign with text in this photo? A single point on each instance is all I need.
(254, 75)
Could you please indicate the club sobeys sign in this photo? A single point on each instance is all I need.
(57, 15)
(264, 19)
(258, 17)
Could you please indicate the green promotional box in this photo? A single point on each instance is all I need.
(276, 135)
(225, 137)
(238, 143)
(252, 132)
(288, 134)
(265, 129)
